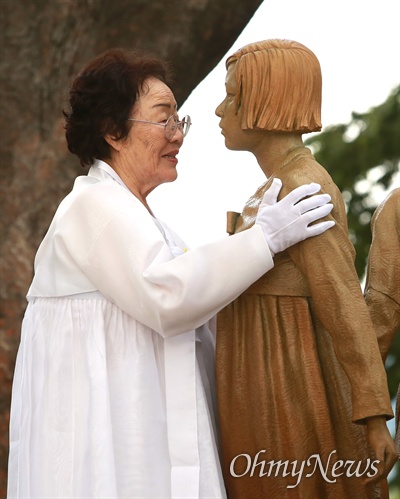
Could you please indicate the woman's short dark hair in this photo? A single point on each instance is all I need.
(101, 100)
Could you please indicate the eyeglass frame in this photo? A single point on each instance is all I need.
(178, 124)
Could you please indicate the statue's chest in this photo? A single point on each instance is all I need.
(237, 222)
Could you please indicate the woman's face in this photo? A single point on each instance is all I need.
(236, 138)
(149, 156)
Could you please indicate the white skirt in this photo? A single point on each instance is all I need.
(89, 414)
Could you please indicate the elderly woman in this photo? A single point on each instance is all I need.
(297, 358)
(113, 393)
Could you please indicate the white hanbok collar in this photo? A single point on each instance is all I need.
(101, 169)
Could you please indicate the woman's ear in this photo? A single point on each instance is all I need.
(113, 142)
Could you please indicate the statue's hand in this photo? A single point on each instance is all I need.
(286, 222)
(383, 446)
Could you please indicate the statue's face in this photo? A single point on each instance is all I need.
(236, 138)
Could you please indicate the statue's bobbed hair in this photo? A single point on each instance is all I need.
(279, 86)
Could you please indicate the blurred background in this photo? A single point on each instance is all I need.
(43, 45)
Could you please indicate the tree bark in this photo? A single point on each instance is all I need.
(43, 45)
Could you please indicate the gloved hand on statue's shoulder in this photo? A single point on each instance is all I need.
(287, 222)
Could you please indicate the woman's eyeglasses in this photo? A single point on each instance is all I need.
(171, 126)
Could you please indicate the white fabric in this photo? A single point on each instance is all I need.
(113, 393)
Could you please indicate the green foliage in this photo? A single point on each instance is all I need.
(362, 158)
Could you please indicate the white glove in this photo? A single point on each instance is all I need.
(286, 222)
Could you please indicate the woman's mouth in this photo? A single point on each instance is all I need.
(171, 156)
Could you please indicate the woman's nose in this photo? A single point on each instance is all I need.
(178, 136)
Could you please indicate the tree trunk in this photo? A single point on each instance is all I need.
(44, 43)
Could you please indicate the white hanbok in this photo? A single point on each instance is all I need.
(113, 393)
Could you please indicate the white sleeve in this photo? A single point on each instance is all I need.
(106, 240)
(131, 264)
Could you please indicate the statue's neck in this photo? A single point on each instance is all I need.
(272, 150)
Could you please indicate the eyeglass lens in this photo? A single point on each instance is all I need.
(173, 124)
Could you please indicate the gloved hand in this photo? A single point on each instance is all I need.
(286, 222)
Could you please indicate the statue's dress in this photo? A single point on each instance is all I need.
(298, 364)
(382, 289)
